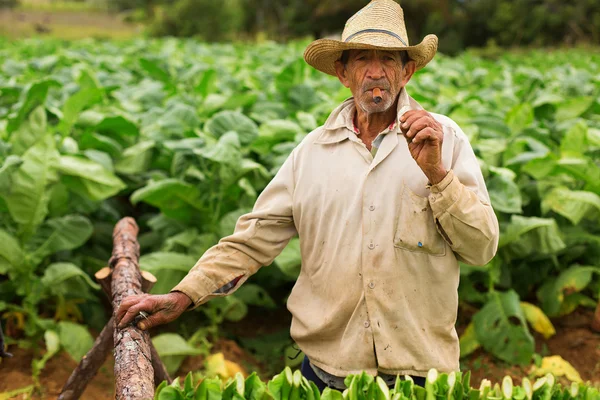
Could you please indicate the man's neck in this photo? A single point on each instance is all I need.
(370, 125)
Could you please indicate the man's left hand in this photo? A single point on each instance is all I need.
(425, 136)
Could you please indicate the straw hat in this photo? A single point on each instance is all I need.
(378, 25)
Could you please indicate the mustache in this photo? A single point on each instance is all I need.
(382, 84)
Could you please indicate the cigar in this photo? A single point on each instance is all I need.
(377, 95)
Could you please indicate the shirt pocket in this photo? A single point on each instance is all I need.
(415, 228)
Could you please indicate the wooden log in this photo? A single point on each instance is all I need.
(104, 278)
(148, 281)
(596, 320)
(134, 376)
(89, 365)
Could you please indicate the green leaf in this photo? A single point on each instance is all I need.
(168, 268)
(504, 192)
(468, 341)
(501, 328)
(89, 178)
(76, 104)
(273, 132)
(154, 70)
(171, 393)
(519, 117)
(34, 96)
(173, 349)
(255, 295)
(175, 198)
(290, 261)
(11, 163)
(255, 388)
(118, 126)
(57, 273)
(29, 194)
(136, 159)
(574, 143)
(227, 121)
(225, 151)
(572, 204)
(10, 251)
(29, 132)
(570, 281)
(573, 107)
(531, 235)
(229, 220)
(57, 234)
(75, 339)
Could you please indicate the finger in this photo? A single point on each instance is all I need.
(411, 116)
(408, 113)
(132, 312)
(152, 321)
(126, 303)
(424, 135)
(418, 125)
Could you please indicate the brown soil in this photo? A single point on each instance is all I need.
(574, 341)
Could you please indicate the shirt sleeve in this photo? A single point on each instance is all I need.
(258, 238)
(462, 209)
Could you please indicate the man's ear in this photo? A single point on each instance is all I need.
(407, 72)
(341, 72)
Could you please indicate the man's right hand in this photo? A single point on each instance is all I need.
(163, 308)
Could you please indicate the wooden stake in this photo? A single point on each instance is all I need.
(134, 376)
(104, 277)
(89, 365)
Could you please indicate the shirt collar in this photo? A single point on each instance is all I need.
(343, 117)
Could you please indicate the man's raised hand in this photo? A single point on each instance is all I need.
(425, 137)
(162, 309)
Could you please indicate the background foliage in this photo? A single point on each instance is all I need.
(458, 23)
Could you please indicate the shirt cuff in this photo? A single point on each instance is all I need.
(444, 194)
(196, 287)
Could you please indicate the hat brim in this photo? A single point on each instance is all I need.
(323, 53)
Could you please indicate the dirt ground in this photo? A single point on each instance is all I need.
(64, 25)
(574, 341)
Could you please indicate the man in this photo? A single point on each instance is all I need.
(385, 197)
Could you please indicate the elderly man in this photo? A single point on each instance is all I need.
(386, 199)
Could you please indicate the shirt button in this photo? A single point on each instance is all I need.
(371, 285)
(371, 246)
(432, 200)
(367, 324)
(371, 208)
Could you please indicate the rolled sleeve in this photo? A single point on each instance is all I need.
(462, 210)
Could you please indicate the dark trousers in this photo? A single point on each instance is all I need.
(309, 374)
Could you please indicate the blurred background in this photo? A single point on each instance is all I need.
(460, 24)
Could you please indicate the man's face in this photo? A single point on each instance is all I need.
(368, 69)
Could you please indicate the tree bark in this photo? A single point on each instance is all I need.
(134, 376)
(89, 365)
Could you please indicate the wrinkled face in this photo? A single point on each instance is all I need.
(368, 69)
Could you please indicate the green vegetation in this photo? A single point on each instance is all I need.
(184, 135)
(292, 385)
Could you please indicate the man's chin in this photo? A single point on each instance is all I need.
(370, 107)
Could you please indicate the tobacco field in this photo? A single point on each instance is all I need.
(183, 136)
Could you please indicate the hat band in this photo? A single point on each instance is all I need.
(376, 31)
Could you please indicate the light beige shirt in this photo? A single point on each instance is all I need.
(380, 247)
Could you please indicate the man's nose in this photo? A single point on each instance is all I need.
(375, 69)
